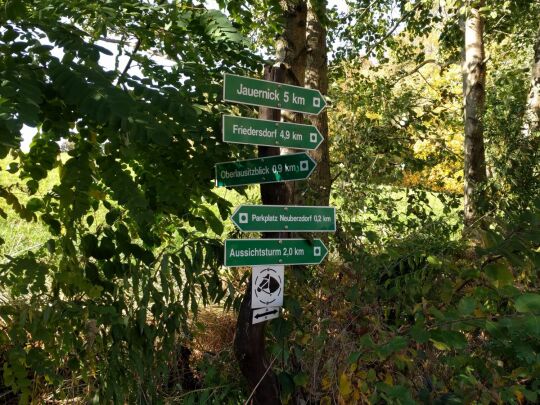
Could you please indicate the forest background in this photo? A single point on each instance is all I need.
(112, 287)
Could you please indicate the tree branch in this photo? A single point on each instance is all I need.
(128, 64)
(416, 69)
(396, 25)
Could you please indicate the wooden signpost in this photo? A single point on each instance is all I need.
(262, 301)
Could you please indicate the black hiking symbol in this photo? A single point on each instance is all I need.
(268, 286)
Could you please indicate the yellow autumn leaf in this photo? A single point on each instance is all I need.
(97, 194)
(362, 374)
(373, 115)
(404, 358)
(388, 379)
(345, 387)
(519, 396)
(326, 383)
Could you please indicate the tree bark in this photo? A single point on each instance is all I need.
(317, 78)
(291, 52)
(249, 340)
(532, 114)
(474, 78)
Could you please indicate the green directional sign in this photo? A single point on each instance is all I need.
(271, 133)
(284, 218)
(245, 90)
(252, 252)
(296, 166)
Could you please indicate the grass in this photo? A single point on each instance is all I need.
(18, 234)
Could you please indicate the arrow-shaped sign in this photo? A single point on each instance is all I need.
(296, 166)
(264, 314)
(251, 252)
(270, 133)
(284, 218)
(245, 90)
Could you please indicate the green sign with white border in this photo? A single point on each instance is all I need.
(284, 218)
(253, 131)
(265, 93)
(252, 252)
(296, 166)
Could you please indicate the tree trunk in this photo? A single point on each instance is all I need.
(532, 115)
(317, 78)
(249, 340)
(474, 77)
(291, 52)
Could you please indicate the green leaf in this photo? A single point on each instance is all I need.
(215, 223)
(33, 186)
(14, 9)
(528, 302)
(13, 167)
(394, 345)
(466, 306)
(448, 339)
(419, 333)
(89, 245)
(353, 357)
(499, 274)
(34, 204)
(54, 225)
(532, 325)
(301, 379)
(112, 216)
(434, 261)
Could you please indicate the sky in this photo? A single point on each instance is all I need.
(108, 62)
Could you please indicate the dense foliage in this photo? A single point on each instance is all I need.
(130, 253)
(111, 280)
